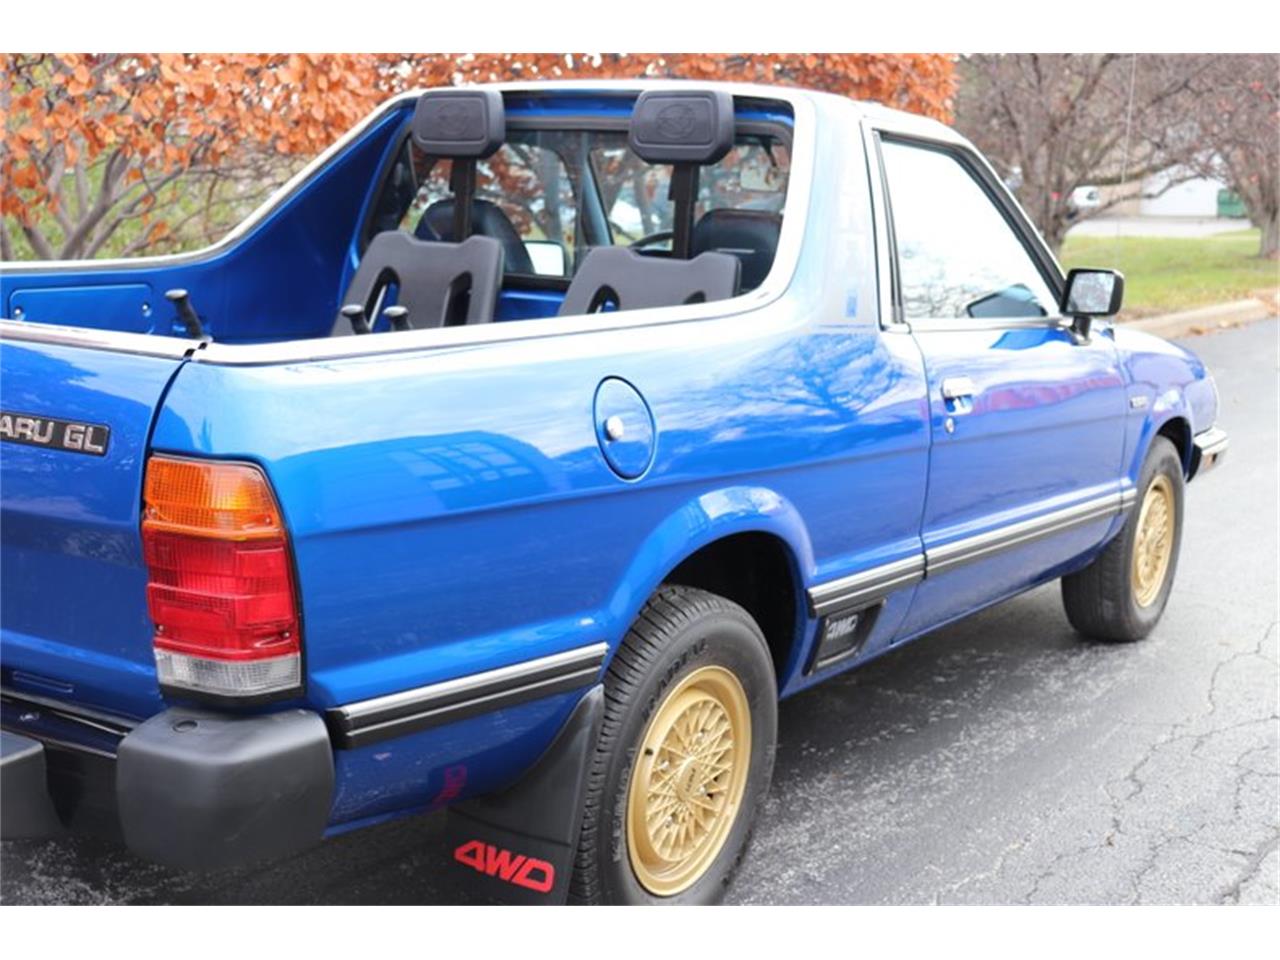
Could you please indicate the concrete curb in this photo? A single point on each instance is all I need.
(1205, 319)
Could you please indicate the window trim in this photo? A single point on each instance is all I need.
(890, 311)
(1014, 216)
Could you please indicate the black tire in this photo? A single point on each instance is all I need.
(1102, 600)
(680, 630)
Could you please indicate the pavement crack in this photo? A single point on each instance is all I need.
(1253, 865)
(1125, 792)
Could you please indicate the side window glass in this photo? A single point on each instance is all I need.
(637, 196)
(525, 199)
(957, 255)
(751, 176)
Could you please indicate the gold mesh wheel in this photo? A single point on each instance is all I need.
(1153, 547)
(689, 777)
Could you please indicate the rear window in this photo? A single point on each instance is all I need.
(552, 195)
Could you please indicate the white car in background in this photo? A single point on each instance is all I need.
(1085, 198)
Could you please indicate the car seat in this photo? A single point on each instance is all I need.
(687, 129)
(436, 283)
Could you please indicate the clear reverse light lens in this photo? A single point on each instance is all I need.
(228, 678)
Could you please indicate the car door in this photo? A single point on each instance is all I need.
(1026, 417)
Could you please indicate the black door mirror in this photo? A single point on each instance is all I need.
(1092, 292)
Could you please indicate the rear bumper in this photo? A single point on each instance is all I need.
(188, 788)
(26, 808)
(1211, 447)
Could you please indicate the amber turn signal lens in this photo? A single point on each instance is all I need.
(227, 501)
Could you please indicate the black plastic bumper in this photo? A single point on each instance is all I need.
(192, 788)
(1210, 449)
(203, 790)
(26, 809)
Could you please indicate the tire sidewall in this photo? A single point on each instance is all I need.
(1161, 459)
(719, 639)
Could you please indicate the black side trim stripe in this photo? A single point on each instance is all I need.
(866, 587)
(409, 711)
(869, 586)
(969, 549)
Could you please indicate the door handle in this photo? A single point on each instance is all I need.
(957, 388)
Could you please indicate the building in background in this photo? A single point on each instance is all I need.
(1198, 197)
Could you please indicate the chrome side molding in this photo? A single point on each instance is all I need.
(408, 711)
(869, 586)
(938, 559)
(864, 588)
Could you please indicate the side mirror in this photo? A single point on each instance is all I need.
(1091, 292)
(549, 258)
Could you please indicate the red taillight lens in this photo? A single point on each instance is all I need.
(221, 599)
(220, 588)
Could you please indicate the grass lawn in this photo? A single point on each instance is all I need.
(1164, 274)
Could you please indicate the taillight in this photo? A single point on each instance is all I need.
(220, 585)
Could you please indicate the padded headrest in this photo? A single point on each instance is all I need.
(694, 126)
(750, 235)
(459, 123)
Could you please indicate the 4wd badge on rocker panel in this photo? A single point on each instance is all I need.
(69, 435)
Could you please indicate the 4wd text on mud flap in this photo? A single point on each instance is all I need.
(528, 872)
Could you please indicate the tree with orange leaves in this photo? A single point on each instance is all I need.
(125, 153)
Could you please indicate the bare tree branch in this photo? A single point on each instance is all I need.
(38, 242)
(1056, 122)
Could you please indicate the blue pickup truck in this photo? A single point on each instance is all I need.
(524, 450)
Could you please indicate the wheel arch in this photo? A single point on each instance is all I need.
(1177, 429)
(747, 544)
(1170, 418)
(755, 570)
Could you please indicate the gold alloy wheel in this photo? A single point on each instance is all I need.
(1153, 547)
(689, 777)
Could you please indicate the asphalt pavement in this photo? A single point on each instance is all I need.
(1000, 760)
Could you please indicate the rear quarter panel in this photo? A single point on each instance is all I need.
(451, 511)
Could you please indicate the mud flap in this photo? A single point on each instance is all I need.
(517, 846)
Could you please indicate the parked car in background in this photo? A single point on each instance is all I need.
(1083, 199)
